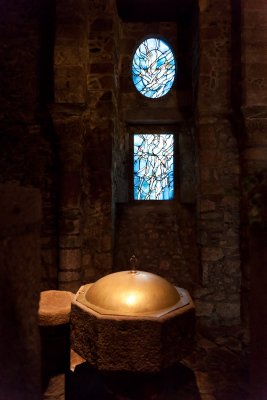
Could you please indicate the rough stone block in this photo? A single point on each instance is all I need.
(102, 68)
(70, 259)
(54, 326)
(207, 135)
(204, 309)
(54, 307)
(68, 55)
(207, 206)
(102, 24)
(228, 311)
(70, 85)
(70, 241)
(212, 254)
(68, 276)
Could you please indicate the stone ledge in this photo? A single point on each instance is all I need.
(54, 307)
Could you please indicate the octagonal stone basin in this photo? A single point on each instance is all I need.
(132, 321)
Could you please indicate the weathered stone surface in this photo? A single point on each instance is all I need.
(70, 85)
(70, 259)
(20, 217)
(207, 206)
(54, 307)
(218, 217)
(70, 241)
(142, 344)
(80, 162)
(212, 254)
(187, 166)
(163, 238)
(204, 309)
(226, 310)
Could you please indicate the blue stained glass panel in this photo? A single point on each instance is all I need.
(153, 167)
(153, 68)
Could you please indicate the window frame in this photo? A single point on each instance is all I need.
(174, 83)
(156, 129)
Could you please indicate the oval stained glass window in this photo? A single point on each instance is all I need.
(153, 68)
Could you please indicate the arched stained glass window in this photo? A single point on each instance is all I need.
(153, 166)
(153, 68)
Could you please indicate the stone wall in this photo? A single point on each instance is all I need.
(84, 115)
(27, 140)
(67, 111)
(100, 122)
(20, 220)
(110, 106)
(218, 299)
(67, 103)
(254, 186)
(162, 235)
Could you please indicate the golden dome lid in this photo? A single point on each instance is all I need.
(131, 293)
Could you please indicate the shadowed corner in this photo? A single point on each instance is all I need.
(176, 382)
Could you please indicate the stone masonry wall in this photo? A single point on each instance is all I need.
(120, 140)
(253, 137)
(20, 220)
(218, 299)
(67, 110)
(27, 141)
(98, 174)
(100, 122)
(161, 235)
(66, 132)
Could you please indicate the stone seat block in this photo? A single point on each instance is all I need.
(54, 307)
(54, 326)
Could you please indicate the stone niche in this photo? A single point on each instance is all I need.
(113, 332)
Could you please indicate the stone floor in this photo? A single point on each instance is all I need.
(215, 370)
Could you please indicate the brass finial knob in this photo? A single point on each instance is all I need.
(133, 262)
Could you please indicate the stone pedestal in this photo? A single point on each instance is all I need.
(125, 343)
(54, 318)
